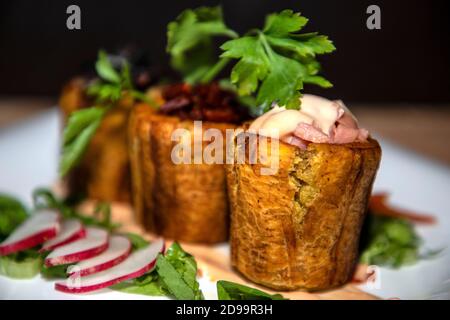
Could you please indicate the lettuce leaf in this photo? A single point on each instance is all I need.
(227, 290)
(12, 214)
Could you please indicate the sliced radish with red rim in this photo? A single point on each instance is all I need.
(71, 230)
(118, 250)
(137, 264)
(94, 243)
(38, 228)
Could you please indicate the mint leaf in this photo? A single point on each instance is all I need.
(189, 41)
(80, 128)
(227, 290)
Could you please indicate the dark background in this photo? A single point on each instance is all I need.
(406, 61)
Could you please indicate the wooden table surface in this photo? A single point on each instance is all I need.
(422, 128)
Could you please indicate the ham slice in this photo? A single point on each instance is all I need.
(295, 141)
(319, 121)
(309, 132)
(324, 112)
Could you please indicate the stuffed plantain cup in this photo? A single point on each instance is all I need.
(95, 158)
(103, 172)
(183, 201)
(299, 227)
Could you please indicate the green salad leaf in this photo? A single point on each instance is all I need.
(148, 284)
(178, 271)
(55, 272)
(173, 280)
(137, 241)
(190, 41)
(275, 62)
(45, 199)
(21, 265)
(174, 275)
(12, 214)
(227, 290)
(390, 242)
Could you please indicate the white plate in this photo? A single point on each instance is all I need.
(28, 158)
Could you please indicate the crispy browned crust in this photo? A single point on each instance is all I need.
(186, 202)
(104, 172)
(299, 228)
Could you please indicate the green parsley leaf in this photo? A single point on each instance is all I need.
(77, 134)
(105, 92)
(277, 61)
(284, 23)
(252, 67)
(105, 69)
(283, 83)
(189, 41)
(318, 80)
(82, 124)
(227, 290)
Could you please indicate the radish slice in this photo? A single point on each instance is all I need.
(71, 230)
(137, 264)
(38, 228)
(95, 242)
(119, 249)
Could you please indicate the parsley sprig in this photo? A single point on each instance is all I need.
(189, 42)
(82, 124)
(273, 63)
(276, 61)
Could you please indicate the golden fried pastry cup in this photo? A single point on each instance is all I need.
(299, 228)
(185, 202)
